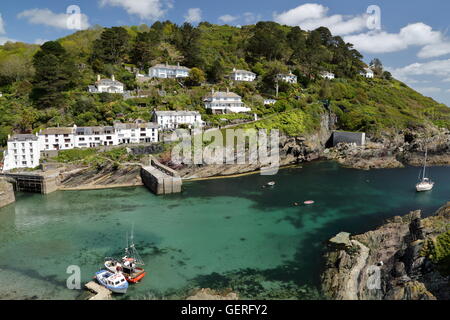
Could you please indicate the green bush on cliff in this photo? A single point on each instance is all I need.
(438, 251)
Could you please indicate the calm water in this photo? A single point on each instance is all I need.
(217, 233)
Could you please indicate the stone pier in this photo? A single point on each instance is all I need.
(44, 182)
(6, 193)
(160, 179)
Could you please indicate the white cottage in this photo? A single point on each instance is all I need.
(173, 119)
(165, 71)
(91, 137)
(368, 73)
(327, 75)
(269, 102)
(242, 75)
(53, 139)
(287, 77)
(22, 152)
(107, 85)
(225, 102)
(137, 132)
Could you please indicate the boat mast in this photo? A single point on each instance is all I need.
(425, 164)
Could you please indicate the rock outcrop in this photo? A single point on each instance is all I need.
(208, 294)
(405, 259)
(6, 193)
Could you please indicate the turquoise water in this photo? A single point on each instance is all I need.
(217, 233)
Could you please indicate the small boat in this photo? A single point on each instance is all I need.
(128, 265)
(309, 202)
(425, 184)
(115, 282)
(270, 184)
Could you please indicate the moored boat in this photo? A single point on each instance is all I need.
(115, 282)
(128, 266)
(425, 184)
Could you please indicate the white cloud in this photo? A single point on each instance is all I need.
(251, 18)
(436, 68)
(311, 16)
(416, 34)
(435, 50)
(194, 15)
(429, 90)
(2, 25)
(228, 18)
(56, 20)
(40, 41)
(144, 9)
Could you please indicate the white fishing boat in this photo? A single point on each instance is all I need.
(115, 282)
(425, 183)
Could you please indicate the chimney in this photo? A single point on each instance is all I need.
(234, 69)
(98, 77)
(178, 64)
(113, 78)
(228, 90)
(212, 90)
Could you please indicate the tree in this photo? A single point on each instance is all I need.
(215, 74)
(377, 67)
(196, 77)
(15, 68)
(55, 73)
(297, 42)
(144, 49)
(189, 45)
(268, 41)
(112, 46)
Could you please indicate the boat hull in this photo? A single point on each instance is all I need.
(423, 187)
(116, 289)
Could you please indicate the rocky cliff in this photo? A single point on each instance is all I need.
(408, 258)
(6, 193)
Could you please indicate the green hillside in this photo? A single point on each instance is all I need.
(47, 86)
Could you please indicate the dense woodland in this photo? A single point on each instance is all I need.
(47, 85)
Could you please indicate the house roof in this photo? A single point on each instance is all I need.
(221, 94)
(23, 137)
(242, 71)
(62, 130)
(92, 130)
(368, 70)
(123, 126)
(168, 66)
(177, 113)
(286, 75)
(109, 82)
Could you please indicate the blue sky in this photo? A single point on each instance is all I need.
(412, 40)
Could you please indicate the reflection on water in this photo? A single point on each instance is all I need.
(229, 233)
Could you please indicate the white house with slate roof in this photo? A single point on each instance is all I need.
(52, 139)
(242, 75)
(368, 73)
(91, 137)
(22, 152)
(165, 71)
(137, 132)
(327, 75)
(173, 119)
(107, 85)
(225, 102)
(287, 77)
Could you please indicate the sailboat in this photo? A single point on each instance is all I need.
(130, 265)
(425, 183)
